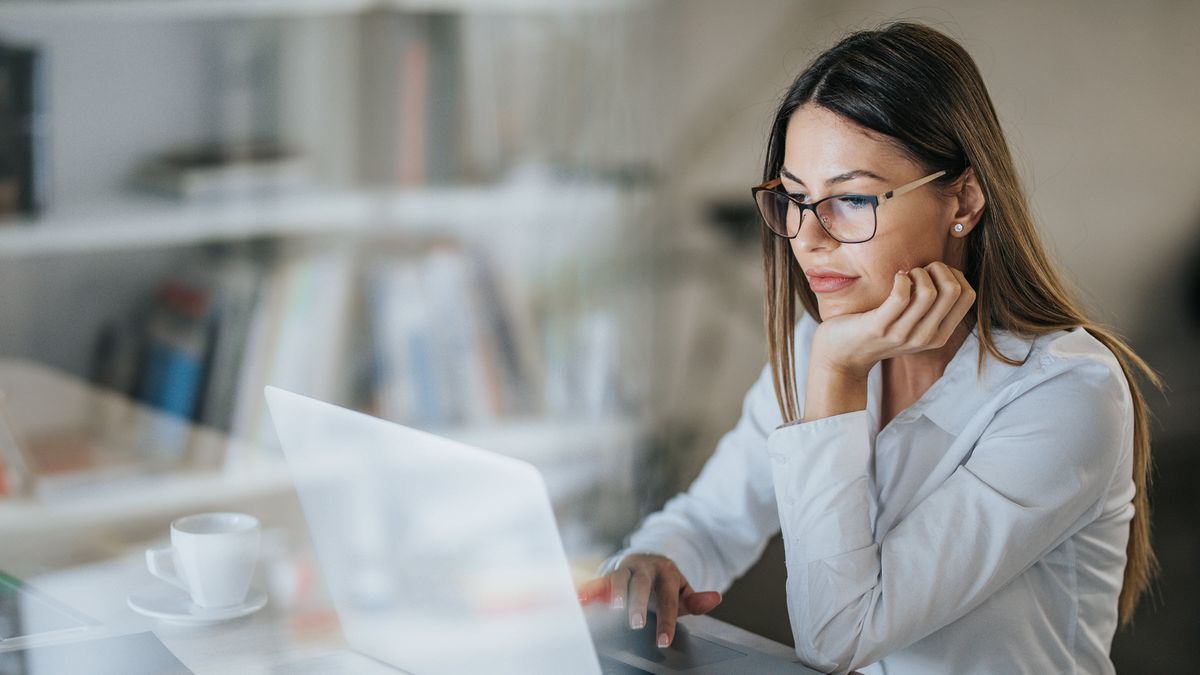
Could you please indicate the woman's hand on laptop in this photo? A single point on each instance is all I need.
(636, 580)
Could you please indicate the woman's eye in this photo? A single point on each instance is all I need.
(855, 201)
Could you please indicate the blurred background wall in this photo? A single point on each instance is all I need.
(1097, 100)
(241, 193)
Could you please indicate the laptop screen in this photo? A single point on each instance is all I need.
(440, 557)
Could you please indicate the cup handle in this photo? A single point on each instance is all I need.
(161, 562)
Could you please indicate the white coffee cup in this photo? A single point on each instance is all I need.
(211, 556)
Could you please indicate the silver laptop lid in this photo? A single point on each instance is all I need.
(439, 557)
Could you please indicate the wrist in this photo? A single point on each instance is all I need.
(833, 390)
(847, 372)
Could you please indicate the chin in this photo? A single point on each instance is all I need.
(829, 310)
(832, 308)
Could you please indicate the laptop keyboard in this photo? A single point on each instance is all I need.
(611, 666)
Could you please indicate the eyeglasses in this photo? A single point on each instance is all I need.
(848, 218)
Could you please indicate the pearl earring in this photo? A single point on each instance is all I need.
(958, 227)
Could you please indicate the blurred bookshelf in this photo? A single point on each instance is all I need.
(216, 195)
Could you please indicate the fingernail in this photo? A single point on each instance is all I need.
(618, 602)
(663, 640)
(637, 622)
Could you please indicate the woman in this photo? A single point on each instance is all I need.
(965, 490)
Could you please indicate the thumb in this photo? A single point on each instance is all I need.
(702, 602)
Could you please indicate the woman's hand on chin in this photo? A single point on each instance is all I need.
(921, 312)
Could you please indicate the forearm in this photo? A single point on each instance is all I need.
(832, 392)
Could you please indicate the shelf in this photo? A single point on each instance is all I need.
(137, 222)
(142, 9)
(141, 223)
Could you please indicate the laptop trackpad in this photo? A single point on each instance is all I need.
(686, 650)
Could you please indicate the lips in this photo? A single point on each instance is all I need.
(826, 272)
(827, 281)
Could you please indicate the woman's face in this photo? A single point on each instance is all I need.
(912, 231)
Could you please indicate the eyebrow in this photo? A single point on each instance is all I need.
(842, 177)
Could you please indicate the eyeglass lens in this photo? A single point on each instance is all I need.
(848, 218)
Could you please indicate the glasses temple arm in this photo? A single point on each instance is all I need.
(892, 194)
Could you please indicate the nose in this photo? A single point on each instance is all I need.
(811, 234)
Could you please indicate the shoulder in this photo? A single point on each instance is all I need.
(1081, 360)
(1069, 357)
(1064, 426)
(1070, 392)
(1058, 369)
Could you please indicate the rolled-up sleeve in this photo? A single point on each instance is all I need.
(720, 526)
(1037, 474)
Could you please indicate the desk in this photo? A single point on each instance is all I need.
(282, 637)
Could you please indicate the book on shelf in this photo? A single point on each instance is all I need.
(296, 336)
(236, 282)
(445, 346)
(182, 351)
(411, 76)
(177, 346)
(24, 176)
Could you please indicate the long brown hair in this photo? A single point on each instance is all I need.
(923, 91)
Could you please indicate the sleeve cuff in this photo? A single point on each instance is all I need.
(822, 474)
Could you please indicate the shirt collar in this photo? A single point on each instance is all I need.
(951, 400)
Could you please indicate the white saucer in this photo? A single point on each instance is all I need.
(169, 603)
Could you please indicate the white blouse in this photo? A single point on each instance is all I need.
(983, 530)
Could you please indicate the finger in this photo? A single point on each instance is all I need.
(595, 590)
(701, 602)
(666, 593)
(963, 305)
(924, 295)
(620, 587)
(639, 597)
(927, 331)
(896, 301)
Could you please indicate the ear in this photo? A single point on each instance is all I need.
(968, 202)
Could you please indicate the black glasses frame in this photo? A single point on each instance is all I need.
(875, 200)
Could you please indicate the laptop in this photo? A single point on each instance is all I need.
(442, 558)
